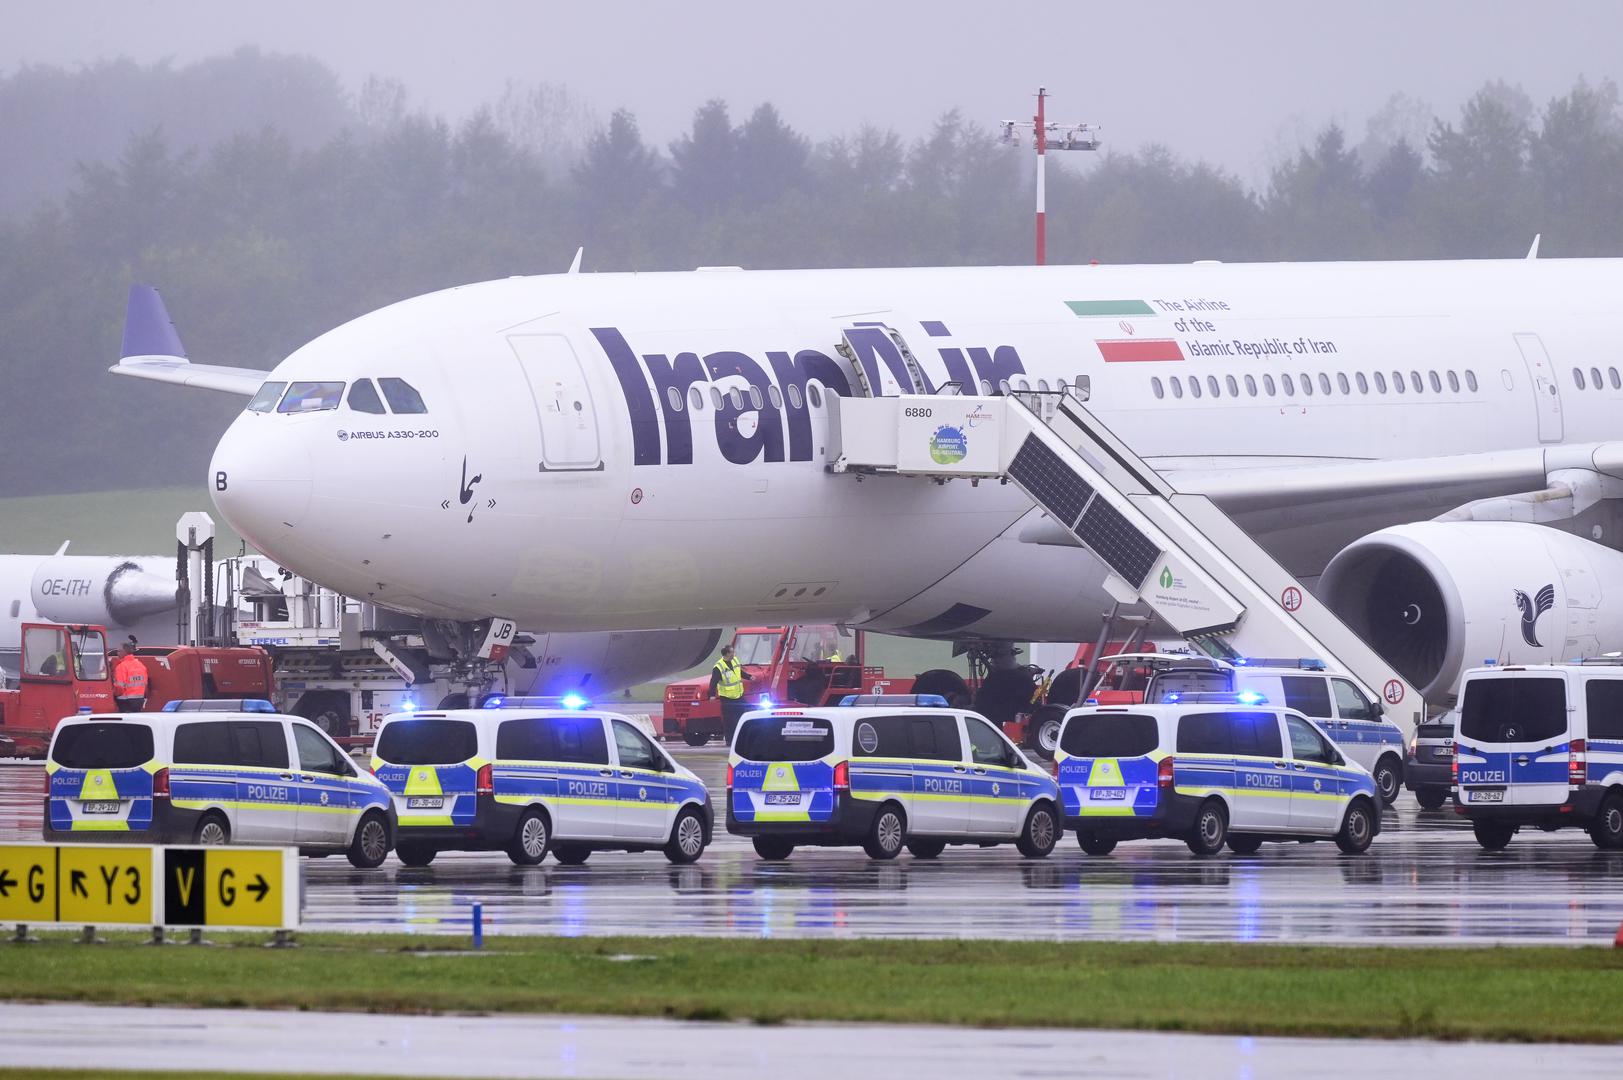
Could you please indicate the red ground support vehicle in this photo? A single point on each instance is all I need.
(786, 664)
(67, 669)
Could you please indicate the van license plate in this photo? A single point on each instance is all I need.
(100, 807)
(1485, 795)
(1109, 794)
(425, 802)
(783, 798)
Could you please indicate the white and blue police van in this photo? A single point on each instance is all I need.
(1356, 723)
(1210, 769)
(533, 775)
(213, 772)
(1541, 746)
(885, 772)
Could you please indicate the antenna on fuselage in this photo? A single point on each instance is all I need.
(1532, 252)
(574, 265)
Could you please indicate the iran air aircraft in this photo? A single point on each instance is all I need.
(1434, 447)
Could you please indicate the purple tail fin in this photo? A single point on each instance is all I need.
(148, 330)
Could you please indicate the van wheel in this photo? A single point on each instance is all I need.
(1357, 829)
(371, 844)
(414, 854)
(687, 838)
(1431, 798)
(1607, 832)
(529, 844)
(1492, 835)
(694, 738)
(1244, 845)
(1211, 829)
(213, 829)
(571, 854)
(887, 835)
(926, 849)
(1093, 844)
(1388, 779)
(773, 848)
(1037, 838)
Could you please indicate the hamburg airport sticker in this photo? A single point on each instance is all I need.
(948, 446)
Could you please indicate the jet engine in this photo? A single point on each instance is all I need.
(600, 663)
(1436, 598)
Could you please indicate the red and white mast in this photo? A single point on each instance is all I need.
(1046, 137)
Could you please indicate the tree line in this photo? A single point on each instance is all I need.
(265, 234)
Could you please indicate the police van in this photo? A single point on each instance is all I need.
(1356, 724)
(529, 777)
(213, 772)
(1210, 769)
(885, 772)
(1542, 746)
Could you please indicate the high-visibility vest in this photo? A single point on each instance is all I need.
(130, 678)
(835, 657)
(731, 684)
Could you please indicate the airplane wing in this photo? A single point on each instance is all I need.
(152, 350)
(1307, 511)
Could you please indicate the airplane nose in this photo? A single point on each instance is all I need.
(261, 479)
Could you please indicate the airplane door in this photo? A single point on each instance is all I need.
(1546, 390)
(563, 401)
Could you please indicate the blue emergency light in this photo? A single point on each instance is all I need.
(927, 701)
(570, 701)
(255, 705)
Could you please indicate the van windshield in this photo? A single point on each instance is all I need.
(1109, 735)
(1203, 681)
(428, 742)
(785, 738)
(115, 744)
(1512, 710)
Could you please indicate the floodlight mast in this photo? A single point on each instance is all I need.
(1074, 137)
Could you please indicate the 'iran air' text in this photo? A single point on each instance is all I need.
(654, 383)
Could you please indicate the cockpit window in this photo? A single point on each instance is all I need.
(403, 397)
(265, 400)
(363, 397)
(304, 397)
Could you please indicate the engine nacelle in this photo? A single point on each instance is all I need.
(604, 662)
(1436, 598)
(111, 590)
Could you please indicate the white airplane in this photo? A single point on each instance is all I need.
(638, 451)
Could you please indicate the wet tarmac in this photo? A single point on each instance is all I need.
(100, 1037)
(1425, 881)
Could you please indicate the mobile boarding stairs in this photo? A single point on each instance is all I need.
(1174, 552)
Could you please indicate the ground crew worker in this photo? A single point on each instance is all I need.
(129, 680)
(727, 684)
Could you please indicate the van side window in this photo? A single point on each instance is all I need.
(635, 753)
(258, 743)
(1604, 701)
(1307, 694)
(580, 739)
(207, 742)
(986, 748)
(1256, 734)
(317, 754)
(885, 737)
(936, 738)
(1306, 743)
(1205, 733)
(525, 739)
(1350, 704)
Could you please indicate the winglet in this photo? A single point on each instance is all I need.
(1532, 252)
(574, 266)
(148, 330)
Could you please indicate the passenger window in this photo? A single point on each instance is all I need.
(794, 396)
(363, 398)
(1324, 382)
(306, 397)
(1380, 382)
(695, 398)
(1156, 388)
(1268, 384)
(1414, 382)
(1578, 377)
(935, 738)
(634, 749)
(403, 397)
(986, 388)
(1341, 381)
(1257, 734)
(1363, 383)
(814, 394)
(1603, 699)
(207, 742)
(1205, 733)
(1616, 382)
(674, 396)
(525, 740)
(882, 736)
(1470, 381)
(987, 746)
(1397, 382)
(755, 398)
(265, 398)
(1194, 386)
(580, 739)
(1003, 387)
(715, 397)
(316, 754)
(116, 744)
(1594, 376)
(1212, 387)
(1307, 694)
(774, 396)
(1288, 384)
(1042, 385)
(1306, 742)
(258, 744)
(1251, 386)
(1233, 385)
(1453, 382)
(737, 398)
(1307, 384)
(1350, 704)
(1436, 383)
(1177, 387)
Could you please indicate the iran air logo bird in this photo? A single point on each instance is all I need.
(1532, 607)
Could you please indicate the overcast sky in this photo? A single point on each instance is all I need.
(1227, 83)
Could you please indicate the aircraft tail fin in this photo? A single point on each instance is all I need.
(148, 329)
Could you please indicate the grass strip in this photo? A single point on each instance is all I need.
(1519, 994)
